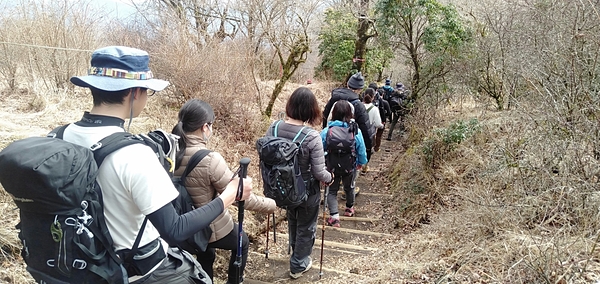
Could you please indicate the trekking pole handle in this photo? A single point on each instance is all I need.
(244, 162)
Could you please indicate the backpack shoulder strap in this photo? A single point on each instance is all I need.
(298, 134)
(193, 162)
(113, 143)
(276, 127)
(102, 149)
(369, 109)
(302, 132)
(58, 132)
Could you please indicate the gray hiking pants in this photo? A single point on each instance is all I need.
(348, 182)
(302, 225)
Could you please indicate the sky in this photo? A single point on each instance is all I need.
(120, 8)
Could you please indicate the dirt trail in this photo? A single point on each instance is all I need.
(354, 253)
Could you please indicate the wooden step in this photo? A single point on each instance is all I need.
(360, 232)
(332, 243)
(252, 281)
(315, 267)
(359, 219)
(386, 195)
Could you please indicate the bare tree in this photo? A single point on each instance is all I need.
(206, 20)
(284, 24)
(365, 31)
(54, 36)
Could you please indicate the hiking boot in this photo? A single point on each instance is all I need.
(297, 275)
(365, 169)
(349, 212)
(333, 222)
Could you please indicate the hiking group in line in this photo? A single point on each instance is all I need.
(136, 188)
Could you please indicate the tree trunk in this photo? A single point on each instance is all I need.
(296, 57)
(360, 46)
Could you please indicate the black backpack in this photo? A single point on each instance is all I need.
(279, 167)
(53, 183)
(341, 149)
(183, 204)
(396, 101)
(378, 102)
(62, 228)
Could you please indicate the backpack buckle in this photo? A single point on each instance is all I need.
(79, 264)
(96, 146)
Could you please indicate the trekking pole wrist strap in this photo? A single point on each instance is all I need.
(332, 179)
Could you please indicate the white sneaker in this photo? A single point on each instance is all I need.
(299, 274)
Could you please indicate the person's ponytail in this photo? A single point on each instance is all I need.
(192, 116)
(178, 130)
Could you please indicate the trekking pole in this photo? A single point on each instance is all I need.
(323, 230)
(238, 259)
(267, 248)
(274, 229)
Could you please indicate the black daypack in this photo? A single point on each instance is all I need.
(279, 167)
(341, 149)
(52, 193)
(183, 204)
(396, 101)
(62, 228)
(378, 102)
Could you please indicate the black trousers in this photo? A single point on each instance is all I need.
(228, 242)
(395, 118)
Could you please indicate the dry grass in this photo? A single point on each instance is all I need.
(516, 203)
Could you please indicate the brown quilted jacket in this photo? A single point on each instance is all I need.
(208, 179)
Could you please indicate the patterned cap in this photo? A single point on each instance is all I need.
(116, 68)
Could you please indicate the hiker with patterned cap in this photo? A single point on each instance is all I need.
(134, 184)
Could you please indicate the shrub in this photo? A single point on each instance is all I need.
(445, 140)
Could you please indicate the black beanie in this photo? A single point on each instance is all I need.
(356, 82)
